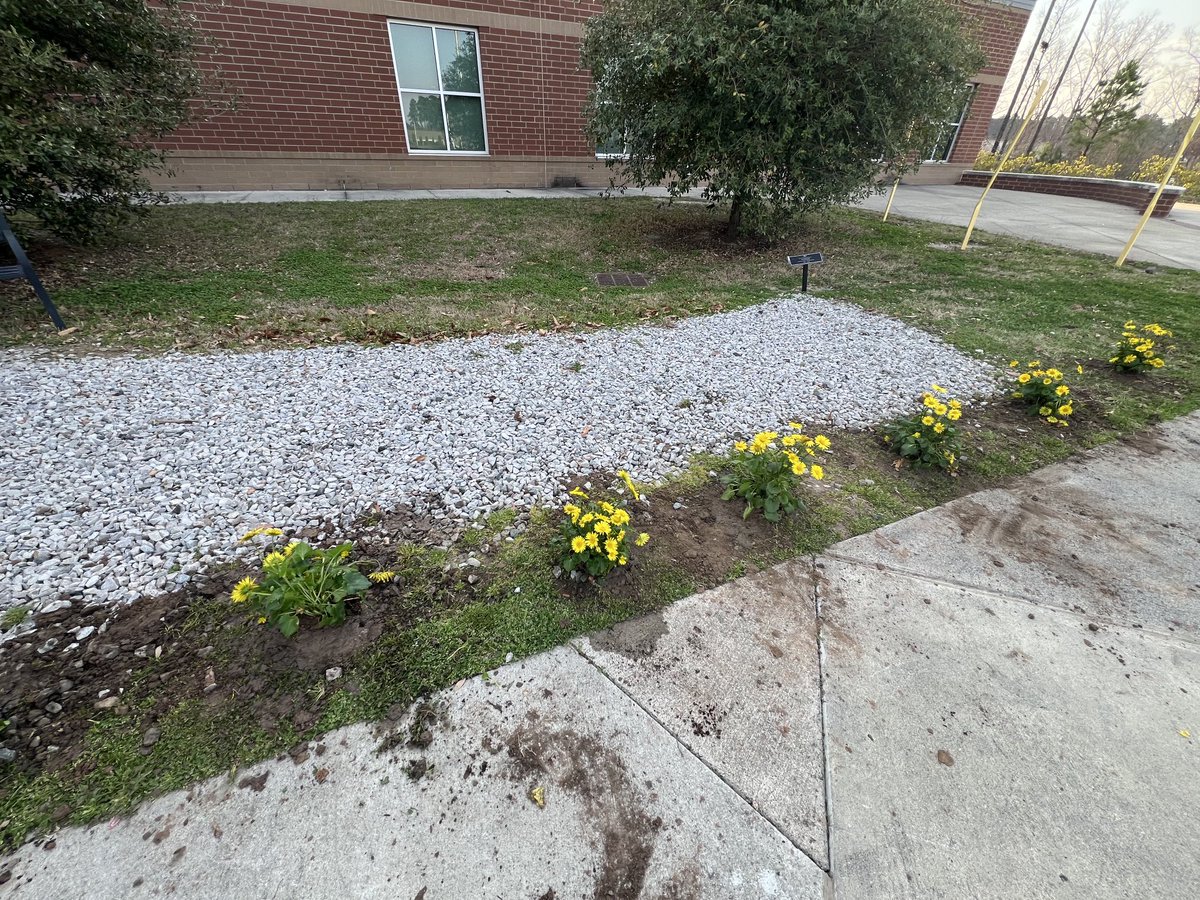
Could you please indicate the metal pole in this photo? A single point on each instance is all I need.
(892, 196)
(1037, 43)
(1062, 77)
(1137, 232)
(1037, 98)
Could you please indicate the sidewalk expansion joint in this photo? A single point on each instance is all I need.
(1003, 596)
(657, 721)
(826, 773)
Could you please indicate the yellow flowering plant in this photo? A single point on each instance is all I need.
(301, 580)
(1139, 348)
(596, 536)
(929, 437)
(1044, 392)
(768, 471)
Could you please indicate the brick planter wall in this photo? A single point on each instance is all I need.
(1126, 193)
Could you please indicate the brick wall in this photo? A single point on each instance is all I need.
(1126, 193)
(317, 103)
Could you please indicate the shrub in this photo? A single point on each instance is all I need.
(301, 580)
(929, 437)
(1079, 167)
(1155, 167)
(596, 536)
(1137, 350)
(1044, 392)
(778, 106)
(767, 473)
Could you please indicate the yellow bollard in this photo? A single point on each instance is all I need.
(1137, 232)
(892, 196)
(1037, 99)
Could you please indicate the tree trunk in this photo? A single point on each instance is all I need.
(734, 228)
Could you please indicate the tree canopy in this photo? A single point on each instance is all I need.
(86, 86)
(1113, 112)
(774, 106)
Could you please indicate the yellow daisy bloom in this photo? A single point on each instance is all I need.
(817, 472)
(382, 577)
(642, 539)
(243, 589)
(578, 544)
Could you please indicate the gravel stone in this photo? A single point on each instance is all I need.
(160, 463)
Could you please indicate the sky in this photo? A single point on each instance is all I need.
(1178, 12)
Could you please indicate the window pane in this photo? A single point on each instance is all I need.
(460, 60)
(466, 123)
(423, 118)
(416, 67)
(614, 146)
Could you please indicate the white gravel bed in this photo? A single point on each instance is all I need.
(126, 475)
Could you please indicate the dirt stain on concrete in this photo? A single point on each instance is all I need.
(580, 765)
(636, 638)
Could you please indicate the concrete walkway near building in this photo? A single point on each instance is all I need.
(996, 698)
(1087, 225)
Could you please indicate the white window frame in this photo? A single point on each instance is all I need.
(442, 94)
(957, 125)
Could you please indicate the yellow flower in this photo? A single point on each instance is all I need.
(1013, 364)
(602, 527)
(1079, 369)
(741, 446)
(243, 589)
(1064, 410)
(954, 415)
(939, 427)
(578, 492)
(1130, 358)
(621, 536)
(955, 404)
(791, 440)
(622, 561)
(382, 577)
(817, 472)
(1023, 378)
(262, 620)
(822, 442)
(585, 518)
(940, 409)
(620, 517)
(1045, 411)
(624, 476)
(572, 512)
(251, 534)
(642, 539)
(1062, 390)
(795, 426)
(578, 544)
(1045, 381)
(273, 559)
(592, 540)
(927, 420)
(291, 548)
(1054, 373)
(607, 507)
(610, 547)
(930, 401)
(939, 389)
(916, 434)
(1157, 363)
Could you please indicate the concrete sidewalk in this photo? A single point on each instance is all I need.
(996, 698)
(570, 193)
(1087, 225)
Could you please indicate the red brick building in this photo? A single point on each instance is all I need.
(443, 93)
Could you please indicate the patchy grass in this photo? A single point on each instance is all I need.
(237, 276)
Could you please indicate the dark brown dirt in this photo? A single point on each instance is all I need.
(188, 645)
(707, 536)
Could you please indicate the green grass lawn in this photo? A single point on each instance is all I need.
(251, 276)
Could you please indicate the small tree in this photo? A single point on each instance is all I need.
(86, 86)
(1114, 111)
(776, 106)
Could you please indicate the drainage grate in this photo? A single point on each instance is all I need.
(622, 279)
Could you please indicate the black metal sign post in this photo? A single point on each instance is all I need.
(24, 269)
(804, 261)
